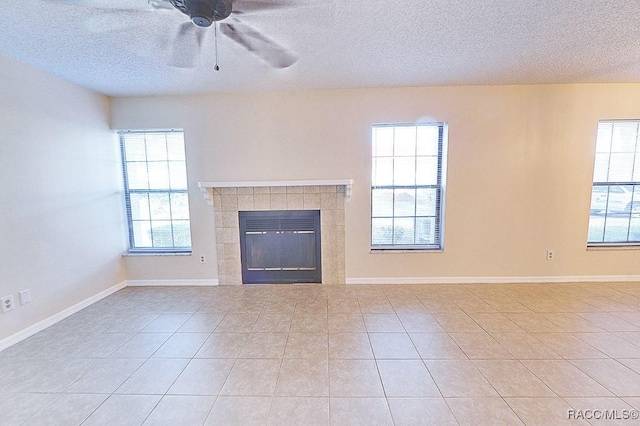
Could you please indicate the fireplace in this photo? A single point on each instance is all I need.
(280, 246)
(326, 196)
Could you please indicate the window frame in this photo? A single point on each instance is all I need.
(128, 192)
(439, 187)
(634, 184)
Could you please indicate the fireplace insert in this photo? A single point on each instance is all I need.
(280, 246)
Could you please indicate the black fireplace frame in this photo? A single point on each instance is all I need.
(280, 223)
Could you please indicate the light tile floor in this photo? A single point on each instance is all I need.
(342, 355)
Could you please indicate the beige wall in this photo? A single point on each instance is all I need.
(61, 220)
(519, 170)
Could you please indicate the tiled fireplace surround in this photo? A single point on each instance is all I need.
(229, 198)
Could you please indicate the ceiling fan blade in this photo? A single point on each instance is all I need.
(118, 15)
(71, 2)
(186, 46)
(104, 20)
(161, 4)
(260, 45)
(247, 6)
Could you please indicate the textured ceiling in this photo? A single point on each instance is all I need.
(340, 44)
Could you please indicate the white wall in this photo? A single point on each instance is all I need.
(61, 217)
(519, 181)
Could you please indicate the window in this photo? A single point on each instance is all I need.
(155, 177)
(407, 186)
(615, 197)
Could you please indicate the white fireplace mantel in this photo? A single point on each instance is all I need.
(205, 186)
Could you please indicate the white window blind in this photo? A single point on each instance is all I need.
(615, 198)
(156, 196)
(407, 186)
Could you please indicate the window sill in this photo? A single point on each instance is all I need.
(156, 253)
(404, 250)
(605, 247)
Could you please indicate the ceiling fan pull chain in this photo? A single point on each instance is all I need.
(215, 39)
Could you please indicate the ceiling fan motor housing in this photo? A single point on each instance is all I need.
(203, 13)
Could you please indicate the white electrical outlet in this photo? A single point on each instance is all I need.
(25, 296)
(7, 304)
(551, 255)
(203, 259)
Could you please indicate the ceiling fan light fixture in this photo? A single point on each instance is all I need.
(201, 21)
(203, 13)
(200, 12)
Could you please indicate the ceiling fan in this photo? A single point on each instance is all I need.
(203, 13)
(225, 16)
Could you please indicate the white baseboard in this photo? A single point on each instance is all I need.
(48, 322)
(497, 280)
(172, 283)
